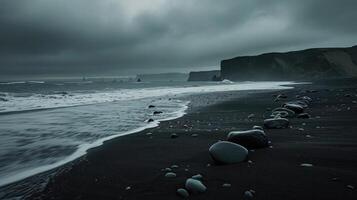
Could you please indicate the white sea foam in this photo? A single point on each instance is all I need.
(40, 101)
(13, 83)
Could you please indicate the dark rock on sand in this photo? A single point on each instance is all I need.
(294, 107)
(302, 103)
(225, 152)
(182, 192)
(251, 116)
(174, 135)
(170, 175)
(250, 139)
(258, 127)
(305, 98)
(248, 195)
(197, 177)
(276, 123)
(195, 186)
(226, 185)
(280, 97)
(281, 113)
(304, 116)
(151, 106)
(291, 113)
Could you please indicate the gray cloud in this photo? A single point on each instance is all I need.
(120, 37)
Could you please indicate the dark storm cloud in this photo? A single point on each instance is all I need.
(118, 37)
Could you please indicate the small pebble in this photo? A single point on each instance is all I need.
(226, 185)
(167, 169)
(170, 175)
(194, 135)
(195, 186)
(182, 192)
(174, 135)
(197, 176)
(306, 165)
(248, 195)
(350, 187)
(335, 179)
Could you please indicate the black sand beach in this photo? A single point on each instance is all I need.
(131, 167)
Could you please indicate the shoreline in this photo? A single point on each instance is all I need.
(131, 167)
(42, 172)
(82, 151)
(91, 164)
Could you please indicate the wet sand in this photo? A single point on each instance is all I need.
(131, 167)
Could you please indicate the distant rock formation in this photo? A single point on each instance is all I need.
(214, 75)
(296, 65)
(163, 77)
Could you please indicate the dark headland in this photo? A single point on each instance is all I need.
(309, 64)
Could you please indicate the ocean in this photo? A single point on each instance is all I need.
(45, 124)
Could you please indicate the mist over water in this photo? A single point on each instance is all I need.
(46, 124)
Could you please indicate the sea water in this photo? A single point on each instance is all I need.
(45, 124)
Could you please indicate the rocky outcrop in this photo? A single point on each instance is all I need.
(297, 65)
(213, 75)
(162, 77)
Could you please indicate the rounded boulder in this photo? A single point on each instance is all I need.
(225, 152)
(250, 139)
(276, 123)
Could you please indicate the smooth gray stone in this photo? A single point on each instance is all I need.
(304, 116)
(226, 185)
(258, 127)
(170, 175)
(250, 139)
(291, 113)
(182, 192)
(225, 152)
(197, 177)
(301, 103)
(248, 195)
(280, 114)
(294, 107)
(306, 98)
(276, 123)
(195, 186)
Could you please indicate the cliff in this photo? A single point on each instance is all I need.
(296, 65)
(213, 75)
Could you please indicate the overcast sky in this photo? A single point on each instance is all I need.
(124, 37)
